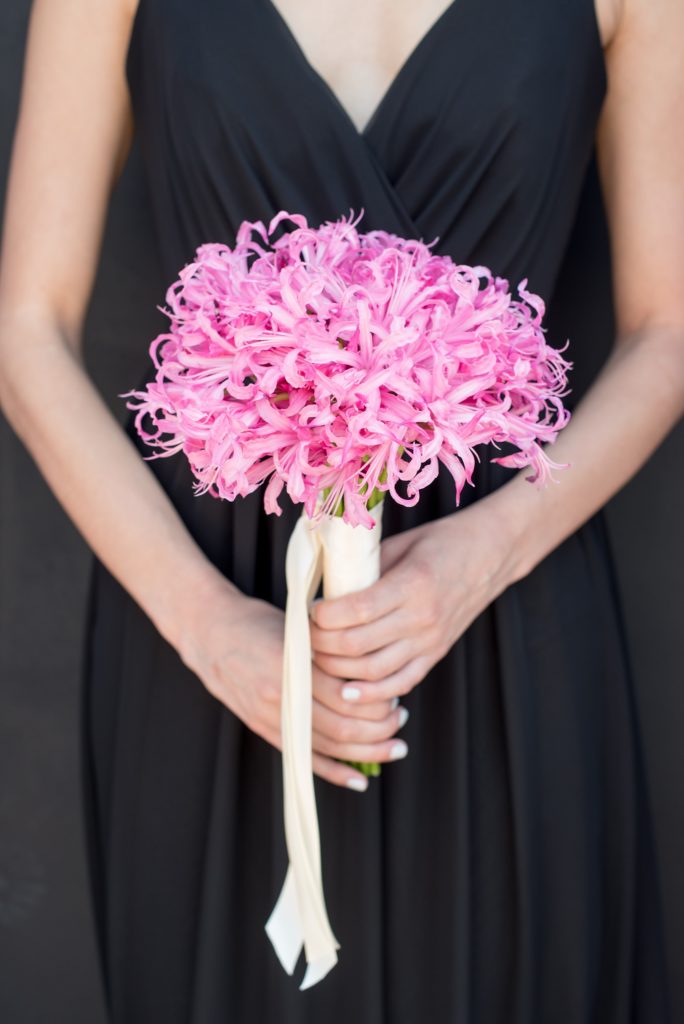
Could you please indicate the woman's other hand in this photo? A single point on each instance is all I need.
(235, 646)
(435, 580)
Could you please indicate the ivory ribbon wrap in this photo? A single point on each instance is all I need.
(348, 558)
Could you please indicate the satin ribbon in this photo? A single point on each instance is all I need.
(348, 559)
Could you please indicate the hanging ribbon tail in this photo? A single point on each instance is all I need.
(299, 917)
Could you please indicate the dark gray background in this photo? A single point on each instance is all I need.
(48, 966)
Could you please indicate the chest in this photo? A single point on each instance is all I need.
(358, 47)
(480, 138)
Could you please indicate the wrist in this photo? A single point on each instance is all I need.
(182, 605)
(512, 521)
(479, 540)
(503, 533)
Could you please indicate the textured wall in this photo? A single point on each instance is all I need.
(46, 938)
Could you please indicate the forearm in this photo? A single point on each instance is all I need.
(632, 405)
(97, 474)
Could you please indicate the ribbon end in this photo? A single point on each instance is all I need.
(318, 969)
(283, 926)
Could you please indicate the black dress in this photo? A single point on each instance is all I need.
(517, 830)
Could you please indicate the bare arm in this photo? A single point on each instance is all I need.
(639, 394)
(438, 578)
(72, 139)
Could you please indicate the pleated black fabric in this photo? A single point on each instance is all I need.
(503, 872)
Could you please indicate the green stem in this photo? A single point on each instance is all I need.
(368, 768)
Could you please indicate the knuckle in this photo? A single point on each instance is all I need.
(404, 686)
(319, 616)
(319, 644)
(362, 667)
(416, 676)
(421, 669)
(349, 643)
(343, 729)
(325, 662)
(406, 586)
(422, 574)
(441, 648)
(373, 670)
(367, 732)
(323, 745)
(386, 728)
(380, 711)
(323, 768)
(431, 638)
(362, 605)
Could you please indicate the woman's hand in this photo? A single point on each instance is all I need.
(435, 579)
(236, 648)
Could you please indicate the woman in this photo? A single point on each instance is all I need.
(503, 870)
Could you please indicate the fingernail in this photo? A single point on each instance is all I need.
(399, 749)
(360, 784)
(395, 703)
(350, 693)
(403, 716)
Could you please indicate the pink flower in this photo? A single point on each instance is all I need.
(333, 363)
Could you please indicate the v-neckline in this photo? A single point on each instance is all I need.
(404, 68)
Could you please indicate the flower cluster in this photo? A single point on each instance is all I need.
(335, 364)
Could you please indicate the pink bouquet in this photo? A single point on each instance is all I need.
(340, 366)
(339, 363)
